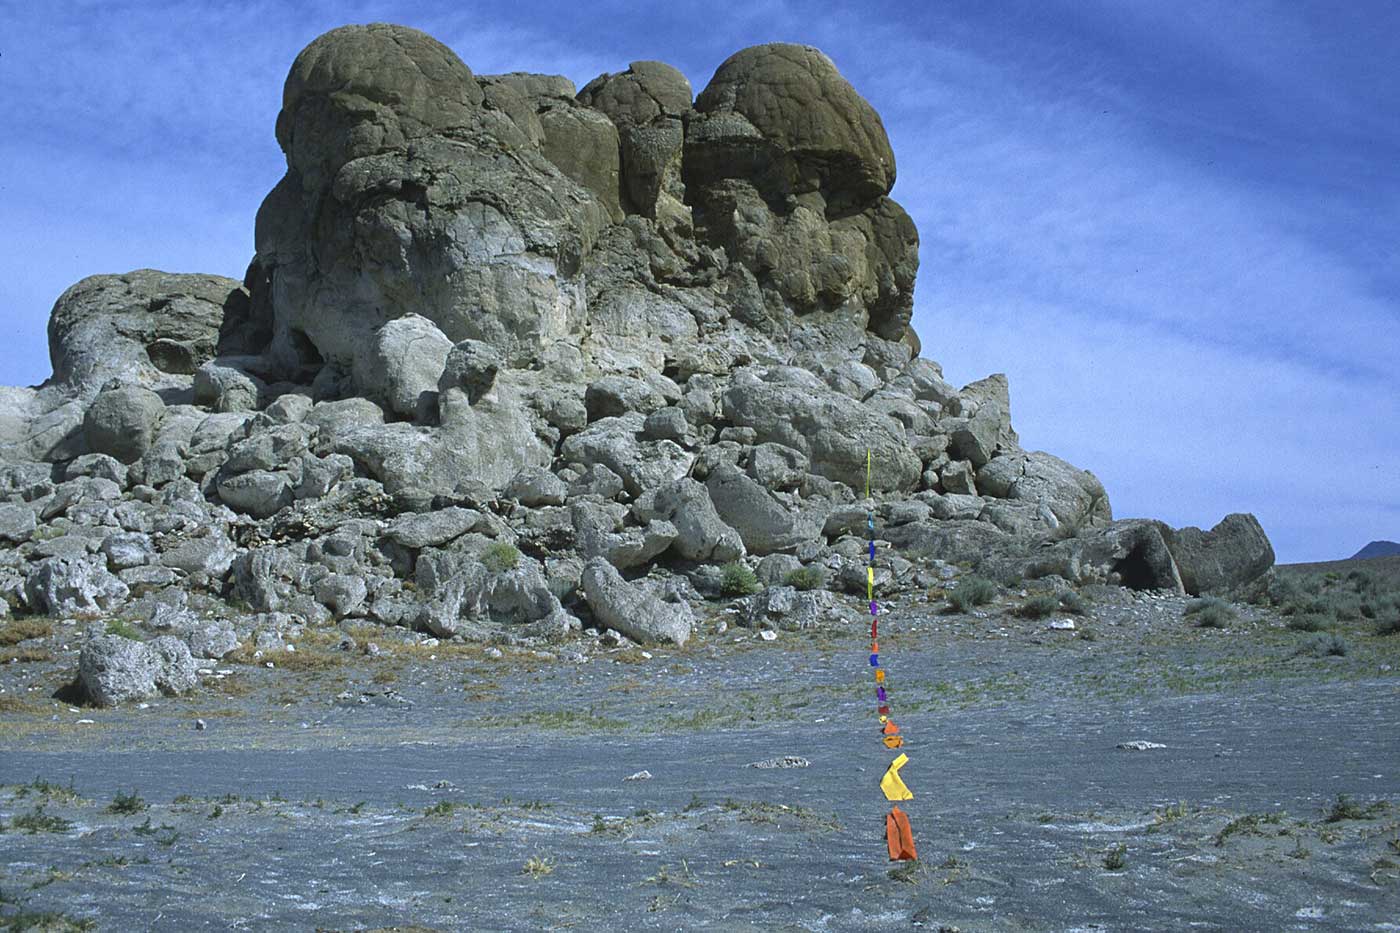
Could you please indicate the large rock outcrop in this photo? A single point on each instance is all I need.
(506, 346)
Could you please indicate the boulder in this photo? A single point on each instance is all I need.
(431, 529)
(631, 610)
(647, 103)
(701, 535)
(536, 486)
(73, 584)
(145, 327)
(17, 522)
(224, 387)
(128, 549)
(784, 114)
(175, 670)
(471, 366)
(1075, 498)
(259, 493)
(401, 365)
(113, 669)
(763, 524)
(343, 594)
(795, 409)
(1235, 552)
(122, 421)
(213, 638)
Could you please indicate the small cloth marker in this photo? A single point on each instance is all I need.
(892, 785)
(899, 836)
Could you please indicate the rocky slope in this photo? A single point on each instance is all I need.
(512, 359)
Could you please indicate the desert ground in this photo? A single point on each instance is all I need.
(451, 786)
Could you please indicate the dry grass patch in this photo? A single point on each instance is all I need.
(9, 703)
(23, 630)
(24, 654)
(306, 660)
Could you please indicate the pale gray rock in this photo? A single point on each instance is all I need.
(401, 364)
(631, 610)
(271, 449)
(667, 424)
(763, 524)
(211, 638)
(321, 475)
(1074, 497)
(289, 408)
(128, 549)
(536, 486)
(613, 443)
(17, 523)
(207, 551)
(97, 465)
(774, 466)
(472, 367)
(596, 480)
(122, 421)
(794, 408)
(431, 529)
(343, 594)
(520, 595)
(701, 535)
(958, 478)
(783, 607)
(224, 387)
(113, 670)
(612, 396)
(175, 670)
(260, 493)
(144, 327)
(74, 584)
(773, 570)
(1235, 552)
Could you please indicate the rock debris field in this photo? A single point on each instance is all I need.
(493, 555)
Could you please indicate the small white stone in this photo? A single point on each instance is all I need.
(639, 776)
(1139, 745)
(1062, 625)
(768, 635)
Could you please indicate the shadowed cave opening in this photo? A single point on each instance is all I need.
(1135, 571)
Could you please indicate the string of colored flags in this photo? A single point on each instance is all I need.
(899, 837)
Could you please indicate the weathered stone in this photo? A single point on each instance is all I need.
(260, 493)
(113, 669)
(341, 593)
(68, 585)
(226, 388)
(401, 365)
(145, 327)
(175, 670)
(631, 610)
(128, 549)
(763, 524)
(17, 523)
(431, 529)
(701, 535)
(97, 465)
(122, 421)
(1234, 552)
(208, 551)
(471, 366)
(536, 486)
(212, 638)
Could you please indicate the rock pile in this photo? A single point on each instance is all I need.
(511, 359)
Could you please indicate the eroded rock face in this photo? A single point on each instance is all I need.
(509, 350)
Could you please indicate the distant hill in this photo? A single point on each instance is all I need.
(1377, 549)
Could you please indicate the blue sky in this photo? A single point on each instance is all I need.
(1173, 225)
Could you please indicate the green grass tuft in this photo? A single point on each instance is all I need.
(124, 629)
(971, 591)
(806, 578)
(500, 557)
(738, 580)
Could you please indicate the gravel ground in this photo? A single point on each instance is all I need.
(438, 786)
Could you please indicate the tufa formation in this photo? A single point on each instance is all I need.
(514, 360)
